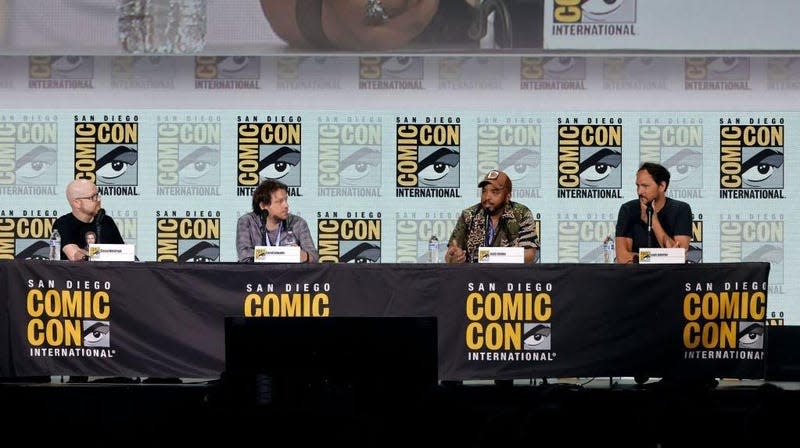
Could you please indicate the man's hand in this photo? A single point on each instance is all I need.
(455, 254)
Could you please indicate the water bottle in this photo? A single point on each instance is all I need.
(609, 251)
(289, 239)
(162, 26)
(55, 245)
(433, 249)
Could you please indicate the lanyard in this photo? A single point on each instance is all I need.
(277, 239)
(490, 231)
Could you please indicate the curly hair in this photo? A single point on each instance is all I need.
(264, 193)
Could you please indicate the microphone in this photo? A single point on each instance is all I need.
(264, 215)
(649, 223)
(98, 219)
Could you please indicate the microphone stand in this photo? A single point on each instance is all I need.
(99, 220)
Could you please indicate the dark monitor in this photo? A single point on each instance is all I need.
(783, 353)
(310, 359)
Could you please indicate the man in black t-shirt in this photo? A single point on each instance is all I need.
(670, 219)
(84, 222)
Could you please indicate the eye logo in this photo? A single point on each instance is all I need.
(117, 165)
(392, 72)
(37, 166)
(717, 73)
(143, 72)
(360, 253)
(199, 252)
(279, 163)
(96, 333)
(599, 168)
(594, 11)
(536, 336)
(227, 72)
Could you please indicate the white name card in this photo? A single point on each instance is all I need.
(662, 255)
(276, 254)
(501, 255)
(112, 252)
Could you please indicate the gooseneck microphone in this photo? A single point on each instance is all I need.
(98, 221)
(649, 224)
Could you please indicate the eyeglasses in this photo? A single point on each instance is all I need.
(95, 197)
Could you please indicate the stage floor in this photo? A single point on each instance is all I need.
(562, 412)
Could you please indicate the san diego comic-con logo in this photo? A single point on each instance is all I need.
(512, 145)
(349, 156)
(353, 238)
(143, 72)
(28, 155)
(413, 234)
(552, 73)
(287, 299)
(589, 158)
(695, 252)
(390, 72)
(594, 18)
(470, 73)
(25, 234)
(509, 322)
(69, 320)
(188, 161)
(755, 237)
(227, 72)
(724, 321)
(309, 72)
(107, 153)
(677, 144)
(268, 148)
(581, 237)
(636, 73)
(717, 73)
(60, 72)
(783, 73)
(193, 238)
(127, 222)
(428, 157)
(751, 158)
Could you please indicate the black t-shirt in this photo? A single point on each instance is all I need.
(675, 218)
(74, 231)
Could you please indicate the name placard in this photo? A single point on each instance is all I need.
(112, 252)
(501, 255)
(662, 255)
(276, 254)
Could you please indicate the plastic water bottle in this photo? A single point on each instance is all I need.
(162, 26)
(609, 251)
(433, 249)
(55, 245)
(289, 239)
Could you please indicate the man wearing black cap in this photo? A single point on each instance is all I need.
(494, 222)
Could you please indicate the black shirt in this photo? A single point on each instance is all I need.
(73, 231)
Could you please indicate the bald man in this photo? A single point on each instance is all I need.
(78, 226)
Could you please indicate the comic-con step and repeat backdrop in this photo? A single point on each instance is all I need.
(375, 186)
